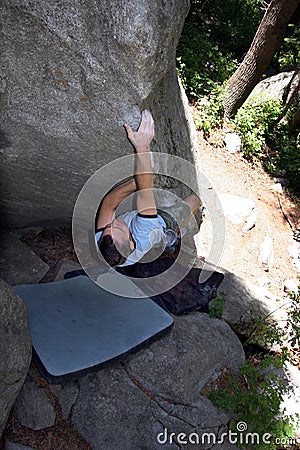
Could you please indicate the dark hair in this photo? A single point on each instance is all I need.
(110, 252)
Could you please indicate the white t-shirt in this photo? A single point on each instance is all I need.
(145, 230)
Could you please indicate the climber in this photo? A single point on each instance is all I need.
(125, 239)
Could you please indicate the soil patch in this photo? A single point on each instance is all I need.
(278, 215)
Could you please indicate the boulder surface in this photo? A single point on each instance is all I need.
(158, 391)
(15, 349)
(140, 401)
(72, 74)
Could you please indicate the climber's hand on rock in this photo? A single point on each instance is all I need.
(141, 139)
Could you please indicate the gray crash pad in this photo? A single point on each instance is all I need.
(76, 326)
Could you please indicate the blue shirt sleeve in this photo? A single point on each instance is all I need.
(98, 235)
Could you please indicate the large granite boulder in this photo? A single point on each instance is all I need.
(15, 349)
(158, 391)
(245, 303)
(140, 401)
(72, 73)
(278, 86)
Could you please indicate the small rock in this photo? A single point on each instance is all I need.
(277, 187)
(290, 286)
(282, 181)
(33, 408)
(239, 210)
(66, 396)
(266, 254)
(233, 142)
(18, 264)
(65, 265)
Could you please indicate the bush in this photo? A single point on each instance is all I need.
(286, 148)
(215, 36)
(200, 62)
(254, 120)
(231, 25)
(255, 395)
(210, 110)
(268, 140)
(288, 54)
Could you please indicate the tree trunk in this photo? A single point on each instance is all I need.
(266, 41)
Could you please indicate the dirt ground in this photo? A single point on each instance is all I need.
(277, 215)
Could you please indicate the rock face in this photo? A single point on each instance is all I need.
(15, 349)
(41, 413)
(246, 302)
(158, 391)
(72, 74)
(18, 264)
(278, 85)
(138, 402)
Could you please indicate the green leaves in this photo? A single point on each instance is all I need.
(215, 36)
(210, 110)
(200, 62)
(214, 40)
(217, 305)
(267, 140)
(254, 121)
(256, 394)
(255, 397)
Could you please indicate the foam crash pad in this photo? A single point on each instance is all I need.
(76, 326)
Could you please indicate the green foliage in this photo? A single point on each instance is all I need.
(215, 36)
(216, 307)
(210, 110)
(200, 62)
(293, 323)
(230, 24)
(266, 332)
(254, 121)
(255, 395)
(268, 140)
(288, 54)
(285, 154)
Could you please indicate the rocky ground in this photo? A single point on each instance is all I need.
(278, 214)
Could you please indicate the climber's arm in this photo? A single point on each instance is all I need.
(112, 200)
(141, 141)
